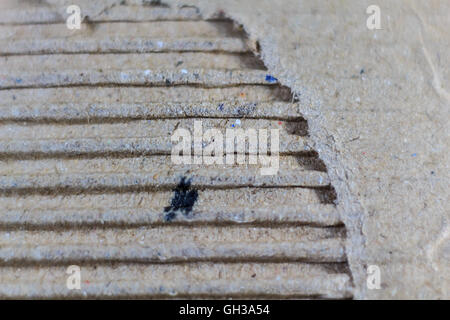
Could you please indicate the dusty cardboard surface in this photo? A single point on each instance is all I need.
(87, 180)
(377, 104)
(379, 112)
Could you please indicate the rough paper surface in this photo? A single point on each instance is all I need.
(377, 108)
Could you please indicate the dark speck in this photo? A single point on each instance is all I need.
(183, 200)
(270, 78)
(362, 71)
(178, 63)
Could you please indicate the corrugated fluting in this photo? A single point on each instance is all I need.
(86, 177)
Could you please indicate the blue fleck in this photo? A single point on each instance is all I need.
(18, 80)
(270, 78)
(221, 107)
(414, 154)
(232, 125)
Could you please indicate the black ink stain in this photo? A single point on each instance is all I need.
(183, 200)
